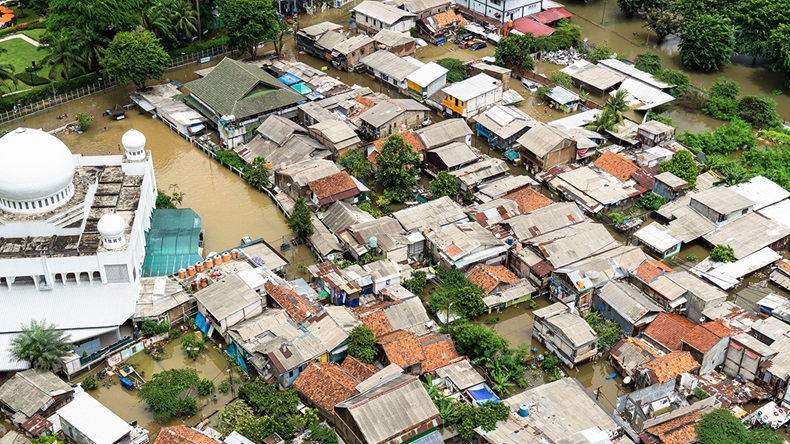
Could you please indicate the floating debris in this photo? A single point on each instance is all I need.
(562, 56)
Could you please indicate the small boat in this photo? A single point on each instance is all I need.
(285, 246)
(246, 240)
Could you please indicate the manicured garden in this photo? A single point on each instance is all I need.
(21, 54)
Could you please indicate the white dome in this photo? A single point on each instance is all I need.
(33, 165)
(111, 225)
(133, 140)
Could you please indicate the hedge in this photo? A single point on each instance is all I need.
(32, 79)
(7, 102)
(197, 47)
(33, 24)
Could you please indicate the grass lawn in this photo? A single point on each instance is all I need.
(20, 54)
(31, 15)
(34, 34)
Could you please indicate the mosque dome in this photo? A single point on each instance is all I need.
(111, 227)
(134, 144)
(36, 171)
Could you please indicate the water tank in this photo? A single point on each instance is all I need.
(523, 410)
(510, 241)
(373, 242)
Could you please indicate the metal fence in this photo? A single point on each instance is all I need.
(56, 99)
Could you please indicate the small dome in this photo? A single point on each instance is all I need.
(111, 225)
(133, 140)
(33, 165)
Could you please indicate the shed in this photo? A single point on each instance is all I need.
(590, 75)
(659, 240)
(451, 157)
(460, 375)
(87, 421)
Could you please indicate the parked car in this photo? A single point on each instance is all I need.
(529, 85)
(463, 38)
(477, 45)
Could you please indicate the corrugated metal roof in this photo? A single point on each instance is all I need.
(443, 132)
(228, 296)
(455, 154)
(504, 121)
(546, 220)
(595, 76)
(563, 96)
(462, 374)
(779, 212)
(542, 138)
(628, 301)
(762, 191)
(573, 243)
(427, 74)
(472, 87)
(578, 120)
(352, 44)
(437, 212)
(631, 71)
(643, 96)
(655, 236)
(388, 37)
(478, 172)
(92, 419)
(380, 11)
(574, 328)
(748, 234)
(388, 63)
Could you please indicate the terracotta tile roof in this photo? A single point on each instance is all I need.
(290, 301)
(409, 136)
(668, 329)
(325, 384)
(528, 199)
(402, 348)
(668, 367)
(358, 369)
(181, 434)
(616, 165)
(365, 101)
(651, 269)
(700, 338)
(718, 329)
(676, 431)
(488, 277)
(333, 187)
(327, 267)
(785, 265)
(447, 18)
(438, 349)
(377, 321)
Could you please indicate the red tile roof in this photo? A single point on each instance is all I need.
(718, 329)
(438, 350)
(651, 269)
(409, 136)
(488, 278)
(358, 369)
(551, 15)
(325, 384)
(290, 301)
(402, 348)
(668, 367)
(333, 187)
(700, 338)
(528, 199)
(181, 434)
(676, 431)
(616, 165)
(669, 329)
(528, 25)
(445, 18)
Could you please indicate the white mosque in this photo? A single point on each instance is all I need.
(72, 238)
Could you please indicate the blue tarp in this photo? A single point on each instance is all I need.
(127, 384)
(200, 323)
(289, 79)
(483, 394)
(237, 356)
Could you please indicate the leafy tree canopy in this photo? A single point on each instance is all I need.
(759, 111)
(257, 172)
(300, 221)
(601, 52)
(397, 168)
(362, 344)
(779, 44)
(515, 51)
(473, 340)
(724, 87)
(445, 184)
(722, 253)
(249, 22)
(682, 165)
(105, 17)
(608, 331)
(267, 400)
(721, 427)
(651, 201)
(137, 56)
(235, 416)
(457, 296)
(416, 283)
(727, 138)
(707, 43)
(356, 163)
(457, 69)
(648, 62)
(164, 390)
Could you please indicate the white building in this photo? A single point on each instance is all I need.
(72, 238)
(502, 10)
(373, 16)
(87, 421)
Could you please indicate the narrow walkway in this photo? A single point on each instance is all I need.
(23, 37)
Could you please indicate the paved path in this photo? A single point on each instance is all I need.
(23, 37)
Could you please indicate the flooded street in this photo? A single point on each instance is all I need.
(211, 364)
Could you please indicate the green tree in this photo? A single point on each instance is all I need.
(616, 105)
(675, 77)
(707, 42)
(445, 184)
(257, 172)
(754, 22)
(516, 51)
(83, 120)
(561, 78)
(137, 56)
(320, 434)
(153, 328)
(267, 400)
(183, 18)
(729, 137)
(355, 162)
(779, 42)
(608, 331)
(362, 344)
(485, 416)
(235, 416)
(89, 383)
(724, 87)
(398, 164)
(249, 22)
(62, 55)
(566, 35)
(416, 283)
(651, 201)
(722, 108)
(760, 111)
(105, 17)
(648, 62)
(50, 438)
(156, 19)
(682, 165)
(662, 20)
(7, 74)
(163, 201)
(722, 253)
(457, 296)
(733, 174)
(721, 427)
(629, 7)
(300, 221)
(192, 346)
(163, 392)
(602, 51)
(40, 344)
(474, 340)
(205, 387)
(604, 122)
(456, 69)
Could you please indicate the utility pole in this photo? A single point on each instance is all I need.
(200, 30)
(603, 13)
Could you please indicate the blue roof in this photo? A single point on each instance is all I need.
(289, 79)
(173, 242)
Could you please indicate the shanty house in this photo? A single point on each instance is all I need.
(656, 238)
(707, 343)
(371, 17)
(294, 179)
(472, 96)
(347, 55)
(450, 157)
(306, 39)
(653, 132)
(479, 173)
(335, 135)
(435, 213)
(233, 299)
(324, 384)
(391, 69)
(745, 356)
(629, 353)
(333, 188)
(497, 72)
(426, 8)
(236, 95)
(443, 133)
(720, 205)
(501, 288)
(396, 42)
(391, 116)
(626, 305)
(426, 81)
(438, 27)
(565, 334)
(33, 392)
(397, 410)
(544, 146)
(564, 99)
(665, 368)
(669, 186)
(465, 244)
(281, 142)
(593, 78)
(459, 376)
(502, 126)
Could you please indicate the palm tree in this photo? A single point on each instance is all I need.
(63, 55)
(91, 46)
(604, 122)
(41, 344)
(7, 74)
(157, 20)
(733, 175)
(183, 17)
(617, 104)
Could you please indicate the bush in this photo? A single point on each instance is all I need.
(192, 346)
(197, 47)
(362, 344)
(601, 52)
(648, 62)
(456, 68)
(89, 383)
(205, 387)
(722, 108)
(153, 328)
(32, 79)
(722, 253)
(230, 158)
(616, 217)
(562, 79)
(187, 407)
(651, 201)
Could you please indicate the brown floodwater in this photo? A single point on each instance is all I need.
(211, 364)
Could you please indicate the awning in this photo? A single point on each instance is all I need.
(196, 128)
(289, 79)
(432, 438)
(144, 104)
